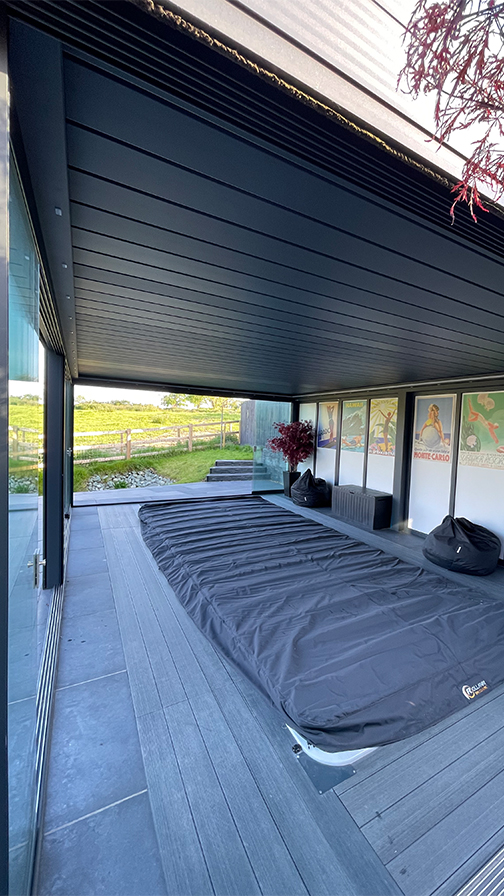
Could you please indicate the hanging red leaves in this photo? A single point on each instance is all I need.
(456, 49)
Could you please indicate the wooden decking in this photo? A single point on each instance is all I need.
(233, 810)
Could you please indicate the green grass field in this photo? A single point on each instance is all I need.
(180, 466)
(96, 417)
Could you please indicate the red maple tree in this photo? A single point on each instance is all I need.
(455, 48)
(295, 441)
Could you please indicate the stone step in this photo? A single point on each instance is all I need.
(223, 468)
(235, 477)
(233, 463)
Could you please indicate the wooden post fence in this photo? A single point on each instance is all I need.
(171, 434)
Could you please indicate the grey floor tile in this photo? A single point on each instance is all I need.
(84, 511)
(90, 646)
(86, 537)
(84, 522)
(19, 860)
(86, 562)
(22, 720)
(111, 853)
(23, 662)
(95, 752)
(88, 594)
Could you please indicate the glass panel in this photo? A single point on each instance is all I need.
(431, 463)
(353, 440)
(327, 440)
(381, 444)
(68, 446)
(269, 465)
(25, 429)
(308, 411)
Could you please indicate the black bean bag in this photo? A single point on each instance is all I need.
(310, 492)
(463, 546)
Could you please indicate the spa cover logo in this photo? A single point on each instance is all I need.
(471, 691)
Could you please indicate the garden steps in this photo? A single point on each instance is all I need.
(236, 471)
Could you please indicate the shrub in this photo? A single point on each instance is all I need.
(295, 441)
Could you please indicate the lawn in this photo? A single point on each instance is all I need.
(106, 416)
(180, 466)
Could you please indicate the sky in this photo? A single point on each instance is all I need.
(136, 396)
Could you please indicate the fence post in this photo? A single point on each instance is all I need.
(122, 443)
(128, 444)
(15, 441)
(224, 436)
(189, 440)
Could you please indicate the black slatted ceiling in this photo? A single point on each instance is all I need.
(120, 34)
(208, 257)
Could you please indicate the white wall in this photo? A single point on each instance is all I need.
(351, 468)
(326, 464)
(429, 494)
(480, 497)
(380, 473)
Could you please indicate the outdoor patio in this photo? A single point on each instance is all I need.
(170, 774)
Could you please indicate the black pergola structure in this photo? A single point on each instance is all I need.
(207, 224)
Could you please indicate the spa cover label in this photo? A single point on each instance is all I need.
(474, 690)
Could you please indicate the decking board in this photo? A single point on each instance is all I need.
(434, 857)
(143, 687)
(176, 624)
(402, 824)
(230, 869)
(173, 818)
(164, 671)
(275, 868)
(421, 763)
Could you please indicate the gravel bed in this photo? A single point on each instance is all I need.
(138, 479)
(23, 485)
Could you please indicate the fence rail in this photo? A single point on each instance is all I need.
(168, 436)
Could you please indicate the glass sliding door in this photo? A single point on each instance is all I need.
(68, 446)
(25, 622)
(269, 465)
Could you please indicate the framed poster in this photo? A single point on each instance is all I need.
(353, 426)
(433, 432)
(327, 434)
(382, 427)
(482, 430)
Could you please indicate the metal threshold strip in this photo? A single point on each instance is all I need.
(489, 881)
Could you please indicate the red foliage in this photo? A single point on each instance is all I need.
(455, 48)
(295, 441)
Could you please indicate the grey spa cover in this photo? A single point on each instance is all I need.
(354, 647)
